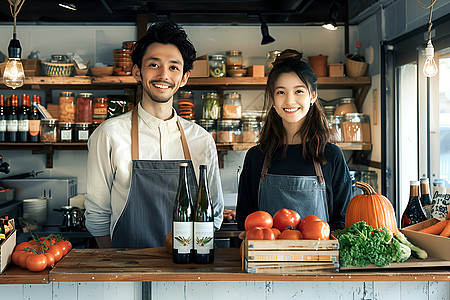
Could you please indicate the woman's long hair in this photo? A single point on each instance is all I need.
(314, 132)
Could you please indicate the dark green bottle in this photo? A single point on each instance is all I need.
(182, 225)
(203, 223)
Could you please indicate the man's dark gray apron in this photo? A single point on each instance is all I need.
(304, 194)
(147, 216)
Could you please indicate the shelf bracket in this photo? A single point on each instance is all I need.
(48, 151)
(360, 96)
(220, 155)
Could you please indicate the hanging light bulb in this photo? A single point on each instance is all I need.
(429, 68)
(14, 76)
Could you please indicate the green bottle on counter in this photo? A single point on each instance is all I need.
(203, 223)
(182, 227)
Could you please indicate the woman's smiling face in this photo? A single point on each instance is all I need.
(292, 99)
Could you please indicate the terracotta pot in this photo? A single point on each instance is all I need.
(319, 64)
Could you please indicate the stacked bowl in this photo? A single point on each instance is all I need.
(122, 62)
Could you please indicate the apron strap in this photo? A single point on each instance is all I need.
(135, 136)
(265, 168)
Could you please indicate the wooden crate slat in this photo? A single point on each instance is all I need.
(280, 255)
(293, 244)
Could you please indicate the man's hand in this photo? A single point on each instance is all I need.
(103, 241)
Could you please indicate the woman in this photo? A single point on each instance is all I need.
(293, 166)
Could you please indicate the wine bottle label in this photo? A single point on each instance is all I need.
(204, 237)
(183, 235)
(34, 127)
(2, 125)
(12, 125)
(23, 125)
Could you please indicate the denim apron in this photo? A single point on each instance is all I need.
(147, 216)
(304, 194)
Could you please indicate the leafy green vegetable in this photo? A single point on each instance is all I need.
(361, 245)
(416, 251)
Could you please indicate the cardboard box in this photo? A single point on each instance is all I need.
(201, 67)
(255, 71)
(7, 248)
(336, 70)
(436, 246)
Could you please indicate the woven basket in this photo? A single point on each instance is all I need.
(58, 69)
(355, 68)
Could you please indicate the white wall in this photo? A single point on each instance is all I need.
(97, 42)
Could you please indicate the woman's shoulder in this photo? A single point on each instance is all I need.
(254, 154)
(332, 149)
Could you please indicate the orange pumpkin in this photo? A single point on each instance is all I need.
(375, 209)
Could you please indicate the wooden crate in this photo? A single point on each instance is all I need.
(290, 257)
(31, 67)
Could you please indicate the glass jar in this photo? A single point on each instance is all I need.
(66, 107)
(100, 109)
(345, 105)
(211, 107)
(371, 178)
(228, 131)
(49, 131)
(186, 105)
(328, 110)
(217, 67)
(270, 58)
(232, 106)
(234, 59)
(82, 132)
(356, 128)
(210, 126)
(84, 108)
(65, 131)
(335, 128)
(251, 128)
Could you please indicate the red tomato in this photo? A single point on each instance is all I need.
(69, 244)
(258, 218)
(290, 234)
(15, 256)
(56, 251)
(64, 247)
(22, 246)
(37, 262)
(260, 233)
(50, 259)
(307, 219)
(276, 232)
(23, 259)
(285, 218)
(316, 230)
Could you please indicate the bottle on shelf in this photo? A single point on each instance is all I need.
(357, 54)
(2, 119)
(12, 124)
(425, 197)
(182, 225)
(414, 212)
(23, 124)
(203, 223)
(34, 121)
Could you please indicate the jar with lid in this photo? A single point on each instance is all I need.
(209, 125)
(334, 126)
(65, 131)
(345, 105)
(228, 131)
(328, 110)
(251, 128)
(217, 66)
(270, 58)
(232, 106)
(84, 108)
(186, 104)
(100, 110)
(82, 132)
(356, 128)
(234, 59)
(49, 131)
(66, 107)
(211, 106)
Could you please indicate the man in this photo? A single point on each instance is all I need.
(133, 161)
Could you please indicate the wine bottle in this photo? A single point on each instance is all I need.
(182, 227)
(425, 198)
(2, 119)
(203, 223)
(357, 55)
(12, 125)
(34, 121)
(23, 126)
(414, 212)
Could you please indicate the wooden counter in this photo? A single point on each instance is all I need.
(85, 265)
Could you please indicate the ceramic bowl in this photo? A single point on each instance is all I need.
(237, 72)
(102, 71)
